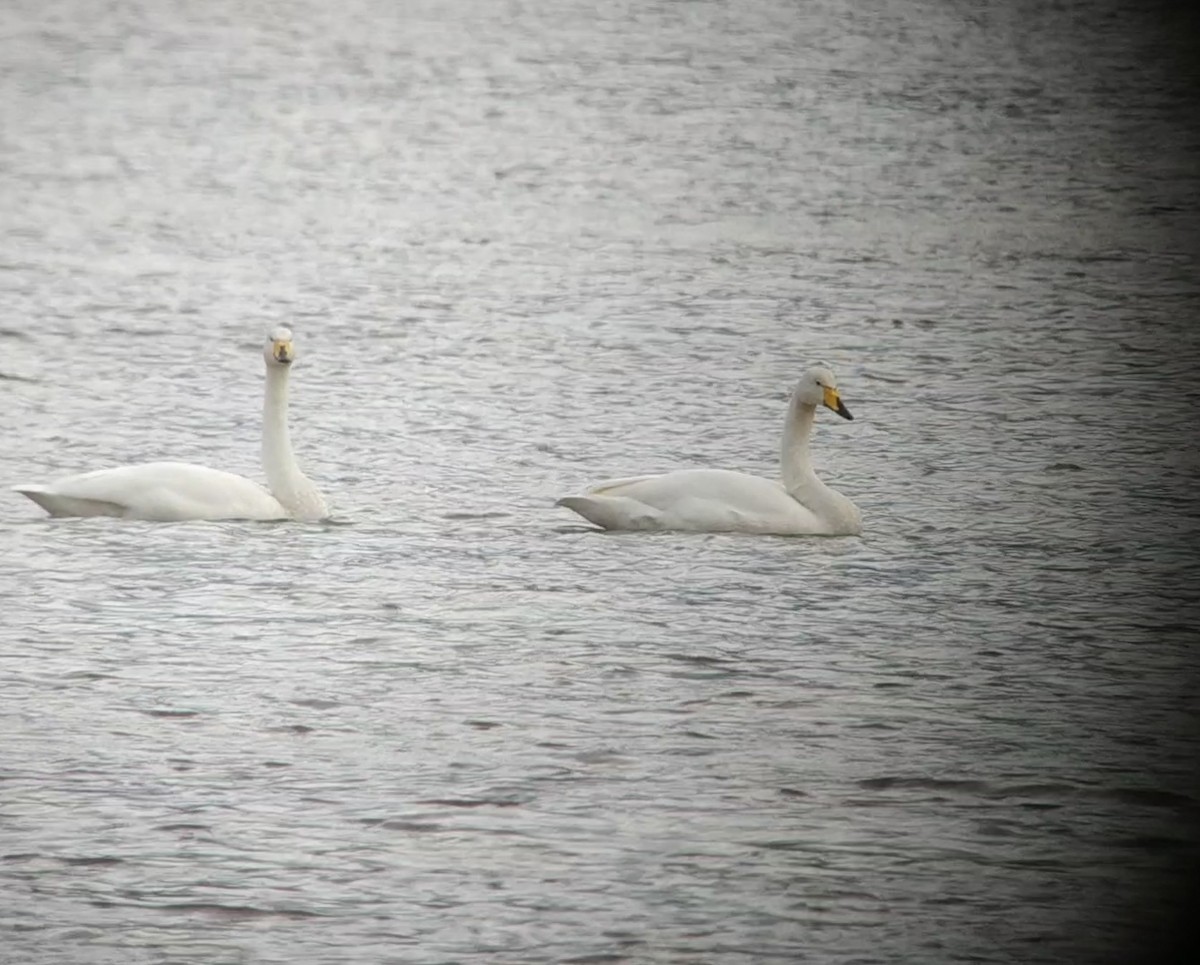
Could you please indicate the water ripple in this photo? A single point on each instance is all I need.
(523, 248)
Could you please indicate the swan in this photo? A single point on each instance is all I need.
(167, 491)
(720, 500)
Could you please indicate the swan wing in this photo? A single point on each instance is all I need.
(696, 500)
(160, 491)
(614, 512)
(614, 485)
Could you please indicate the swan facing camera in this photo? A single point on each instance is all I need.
(279, 347)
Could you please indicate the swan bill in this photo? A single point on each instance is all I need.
(834, 401)
(282, 351)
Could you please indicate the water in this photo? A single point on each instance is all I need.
(525, 247)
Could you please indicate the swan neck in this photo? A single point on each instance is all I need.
(838, 515)
(797, 471)
(287, 483)
(279, 462)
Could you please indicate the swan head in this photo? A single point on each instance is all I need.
(279, 350)
(818, 386)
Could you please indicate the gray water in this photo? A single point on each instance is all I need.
(523, 247)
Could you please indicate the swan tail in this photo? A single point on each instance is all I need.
(56, 504)
(610, 512)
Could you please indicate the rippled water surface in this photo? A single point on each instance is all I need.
(525, 246)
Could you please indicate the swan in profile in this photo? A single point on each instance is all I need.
(178, 490)
(719, 500)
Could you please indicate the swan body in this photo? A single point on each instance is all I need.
(158, 491)
(700, 500)
(169, 491)
(720, 500)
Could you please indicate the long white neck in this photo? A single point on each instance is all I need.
(797, 471)
(287, 483)
(839, 514)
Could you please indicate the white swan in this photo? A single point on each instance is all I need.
(179, 490)
(719, 500)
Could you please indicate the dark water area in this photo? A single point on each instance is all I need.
(525, 247)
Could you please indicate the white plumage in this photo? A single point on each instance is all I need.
(720, 500)
(178, 490)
